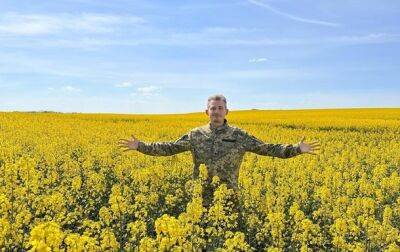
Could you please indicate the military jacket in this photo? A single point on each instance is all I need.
(221, 149)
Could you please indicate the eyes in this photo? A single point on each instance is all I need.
(217, 108)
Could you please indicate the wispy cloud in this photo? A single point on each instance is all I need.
(124, 84)
(290, 16)
(70, 89)
(64, 89)
(202, 38)
(257, 60)
(41, 24)
(147, 91)
(372, 38)
(85, 31)
(198, 40)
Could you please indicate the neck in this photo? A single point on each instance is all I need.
(217, 124)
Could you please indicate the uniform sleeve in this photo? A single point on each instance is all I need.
(165, 148)
(257, 146)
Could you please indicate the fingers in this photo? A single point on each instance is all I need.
(314, 144)
(133, 137)
(123, 146)
(314, 151)
(123, 142)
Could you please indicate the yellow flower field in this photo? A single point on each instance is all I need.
(66, 186)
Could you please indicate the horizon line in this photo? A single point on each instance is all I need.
(197, 112)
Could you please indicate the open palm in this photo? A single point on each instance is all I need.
(129, 144)
(309, 148)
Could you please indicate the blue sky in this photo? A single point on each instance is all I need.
(131, 56)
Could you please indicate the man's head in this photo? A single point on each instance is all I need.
(217, 109)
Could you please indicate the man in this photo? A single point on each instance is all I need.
(219, 146)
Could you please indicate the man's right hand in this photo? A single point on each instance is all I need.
(131, 144)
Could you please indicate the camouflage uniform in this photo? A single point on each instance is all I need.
(221, 149)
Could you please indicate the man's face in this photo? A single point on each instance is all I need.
(217, 111)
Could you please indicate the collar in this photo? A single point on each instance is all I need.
(224, 126)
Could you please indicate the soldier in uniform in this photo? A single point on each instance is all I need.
(219, 146)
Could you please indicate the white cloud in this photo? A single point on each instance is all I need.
(70, 89)
(91, 27)
(64, 89)
(28, 28)
(371, 38)
(256, 60)
(290, 16)
(201, 40)
(40, 24)
(124, 84)
(147, 91)
(222, 30)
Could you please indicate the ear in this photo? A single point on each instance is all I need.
(227, 110)
(206, 111)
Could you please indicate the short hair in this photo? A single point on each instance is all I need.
(216, 97)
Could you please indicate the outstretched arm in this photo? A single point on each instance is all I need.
(257, 146)
(157, 148)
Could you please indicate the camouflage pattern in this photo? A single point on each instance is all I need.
(221, 149)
